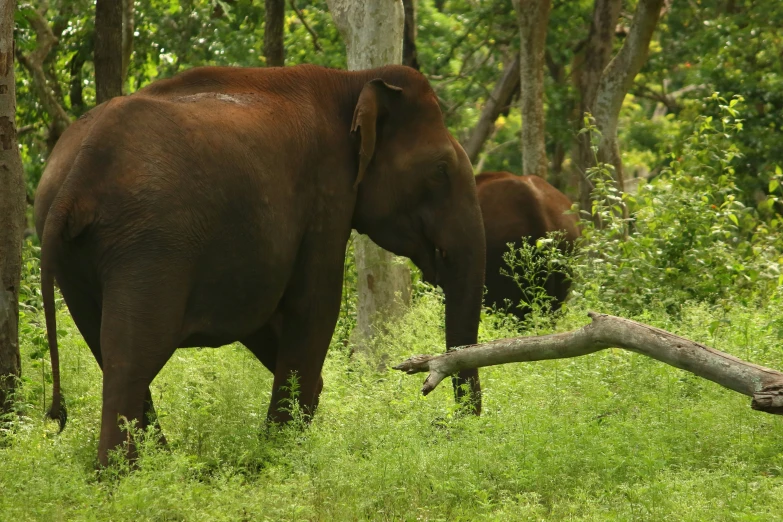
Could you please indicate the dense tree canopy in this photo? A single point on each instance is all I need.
(732, 47)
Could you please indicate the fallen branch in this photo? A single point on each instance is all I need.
(764, 385)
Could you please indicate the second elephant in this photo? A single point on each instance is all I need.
(514, 207)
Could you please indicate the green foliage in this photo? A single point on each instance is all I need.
(462, 50)
(733, 48)
(692, 238)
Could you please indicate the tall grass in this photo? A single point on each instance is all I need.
(609, 436)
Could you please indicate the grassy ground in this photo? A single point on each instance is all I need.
(610, 436)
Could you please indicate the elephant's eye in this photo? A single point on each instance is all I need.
(442, 175)
(438, 181)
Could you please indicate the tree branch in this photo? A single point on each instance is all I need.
(301, 17)
(498, 100)
(606, 331)
(34, 62)
(25, 129)
(667, 99)
(619, 74)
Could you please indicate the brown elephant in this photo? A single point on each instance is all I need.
(215, 207)
(514, 207)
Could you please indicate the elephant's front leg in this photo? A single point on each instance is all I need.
(310, 309)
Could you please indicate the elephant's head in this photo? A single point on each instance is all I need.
(416, 197)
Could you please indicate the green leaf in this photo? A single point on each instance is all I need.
(734, 219)
(773, 185)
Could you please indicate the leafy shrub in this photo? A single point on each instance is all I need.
(532, 266)
(689, 236)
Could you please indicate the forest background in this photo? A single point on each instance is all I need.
(611, 435)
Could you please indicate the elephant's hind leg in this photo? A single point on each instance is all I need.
(138, 336)
(86, 313)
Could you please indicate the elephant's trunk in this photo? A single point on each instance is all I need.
(461, 275)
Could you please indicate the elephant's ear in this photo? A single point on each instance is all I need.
(373, 104)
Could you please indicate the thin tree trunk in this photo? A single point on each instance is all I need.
(108, 49)
(533, 16)
(273, 33)
(618, 78)
(606, 331)
(12, 212)
(501, 97)
(603, 84)
(127, 36)
(76, 90)
(556, 176)
(588, 67)
(409, 54)
(372, 32)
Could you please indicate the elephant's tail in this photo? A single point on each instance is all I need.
(50, 244)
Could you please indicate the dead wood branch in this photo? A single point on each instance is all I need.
(764, 385)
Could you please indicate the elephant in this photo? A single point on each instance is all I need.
(514, 207)
(215, 206)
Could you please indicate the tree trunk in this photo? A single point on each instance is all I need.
(12, 211)
(409, 54)
(606, 331)
(501, 97)
(603, 84)
(273, 33)
(533, 16)
(557, 177)
(127, 37)
(76, 86)
(588, 67)
(383, 287)
(108, 50)
(618, 78)
(372, 32)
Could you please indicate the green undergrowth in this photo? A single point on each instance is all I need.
(610, 436)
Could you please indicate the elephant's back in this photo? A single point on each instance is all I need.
(551, 205)
(517, 206)
(171, 179)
